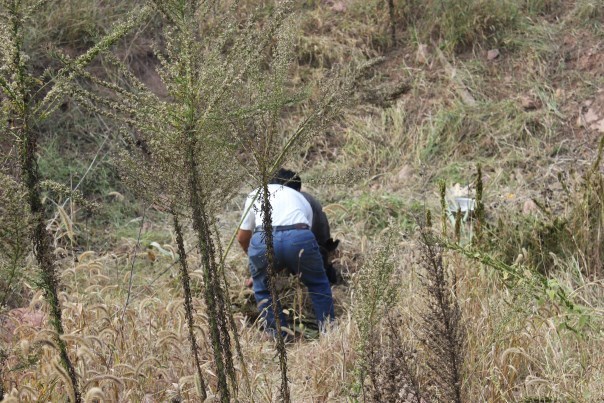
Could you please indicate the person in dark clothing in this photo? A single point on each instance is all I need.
(320, 224)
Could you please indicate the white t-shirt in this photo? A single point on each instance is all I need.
(288, 207)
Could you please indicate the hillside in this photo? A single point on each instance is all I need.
(501, 101)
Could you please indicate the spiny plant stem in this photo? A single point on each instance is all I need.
(479, 221)
(392, 22)
(270, 256)
(205, 245)
(231, 318)
(443, 206)
(42, 245)
(185, 280)
(2, 364)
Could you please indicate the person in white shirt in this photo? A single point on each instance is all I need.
(296, 250)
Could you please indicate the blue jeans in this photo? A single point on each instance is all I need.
(296, 250)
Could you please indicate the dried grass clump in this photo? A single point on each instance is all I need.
(569, 227)
(586, 218)
(393, 365)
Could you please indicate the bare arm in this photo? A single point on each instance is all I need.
(243, 237)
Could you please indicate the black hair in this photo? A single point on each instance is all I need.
(287, 177)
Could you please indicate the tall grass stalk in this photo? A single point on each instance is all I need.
(442, 330)
(479, 211)
(372, 293)
(185, 281)
(31, 99)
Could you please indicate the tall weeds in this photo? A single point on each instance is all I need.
(442, 331)
(422, 357)
(393, 365)
(218, 86)
(373, 293)
(185, 281)
(30, 99)
(587, 217)
(184, 139)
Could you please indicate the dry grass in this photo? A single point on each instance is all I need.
(387, 158)
(518, 347)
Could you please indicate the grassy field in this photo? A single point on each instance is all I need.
(501, 306)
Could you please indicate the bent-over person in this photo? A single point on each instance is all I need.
(295, 247)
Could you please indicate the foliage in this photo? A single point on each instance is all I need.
(530, 280)
(28, 104)
(572, 231)
(373, 292)
(443, 333)
(15, 228)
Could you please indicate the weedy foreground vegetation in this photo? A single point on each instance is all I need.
(132, 132)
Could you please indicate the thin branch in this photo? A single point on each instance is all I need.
(138, 241)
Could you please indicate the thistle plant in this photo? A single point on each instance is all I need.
(27, 100)
(442, 330)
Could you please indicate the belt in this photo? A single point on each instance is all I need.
(283, 227)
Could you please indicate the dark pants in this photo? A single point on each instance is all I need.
(296, 250)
